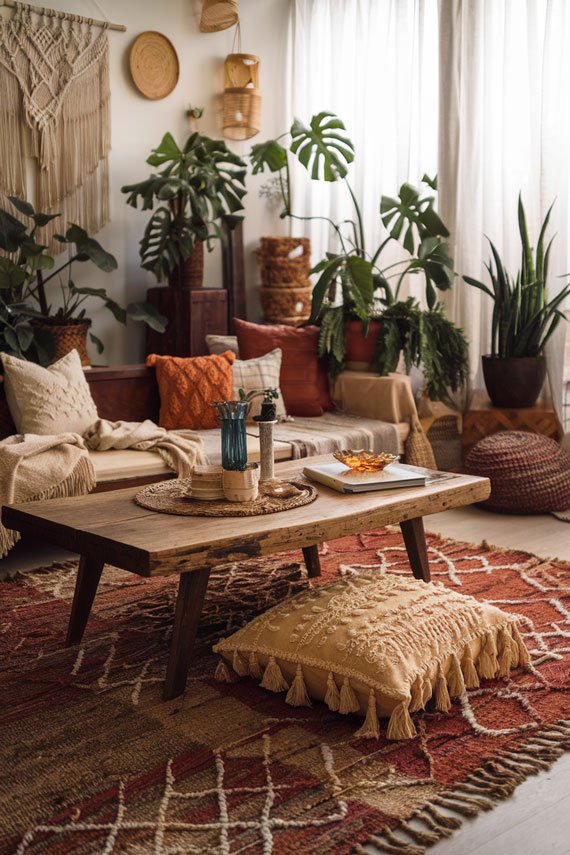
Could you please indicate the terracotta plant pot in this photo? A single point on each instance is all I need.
(514, 382)
(189, 274)
(359, 351)
(68, 337)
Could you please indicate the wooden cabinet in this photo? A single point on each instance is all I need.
(483, 419)
(193, 314)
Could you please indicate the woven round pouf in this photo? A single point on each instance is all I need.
(529, 473)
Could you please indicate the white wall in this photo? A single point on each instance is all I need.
(138, 125)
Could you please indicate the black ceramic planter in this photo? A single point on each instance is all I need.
(514, 382)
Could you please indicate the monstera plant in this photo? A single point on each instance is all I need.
(32, 326)
(353, 284)
(196, 186)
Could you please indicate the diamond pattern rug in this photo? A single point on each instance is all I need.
(92, 760)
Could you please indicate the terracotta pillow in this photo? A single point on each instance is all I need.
(189, 386)
(304, 379)
(376, 644)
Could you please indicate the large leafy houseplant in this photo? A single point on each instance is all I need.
(27, 273)
(523, 319)
(353, 284)
(194, 188)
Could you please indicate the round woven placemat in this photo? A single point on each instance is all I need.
(167, 497)
(154, 65)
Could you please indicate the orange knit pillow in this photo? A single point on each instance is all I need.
(189, 386)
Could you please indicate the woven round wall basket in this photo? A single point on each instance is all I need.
(218, 15)
(529, 473)
(154, 65)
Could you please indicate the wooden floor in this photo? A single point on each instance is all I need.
(536, 819)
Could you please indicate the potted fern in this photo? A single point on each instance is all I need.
(523, 320)
(356, 300)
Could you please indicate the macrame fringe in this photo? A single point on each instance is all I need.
(348, 700)
(332, 697)
(481, 791)
(487, 664)
(297, 695)
(455, 682)
(254, 666)
(442, 699)
(506, 654)
(79, 482)
(524, 657)
(371, 727)
(223, 674)
(401, 725)
(470, 676)
(239, 664)
(273, 679)
(417, 701)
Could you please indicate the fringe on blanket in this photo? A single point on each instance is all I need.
(80, 481)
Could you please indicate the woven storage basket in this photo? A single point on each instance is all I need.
(278, 270)
(529, 473)
(291, 303)
(445, 440)
(69, 337)
(218, 15)
(418, 449)
(241, 113)
(284, 245)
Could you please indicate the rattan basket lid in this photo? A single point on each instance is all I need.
(154, 65)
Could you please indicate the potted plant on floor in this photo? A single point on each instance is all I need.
(354, 293)
(195, 187)
(31, 327)
(523, 320)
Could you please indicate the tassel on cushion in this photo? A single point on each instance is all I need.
(442, 699)
(332, 697)
(416, 690)
(506, 653)
(524, 656)
(470, 676)
(401, 725)
(427, 689)
(297, 695)
(239, 665)
(273, 679)
(348, 700)
(487, 665)
(371, 727)
(222, 673)
(254, 667)
(455, 682)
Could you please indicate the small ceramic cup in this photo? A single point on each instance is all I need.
(241, 486)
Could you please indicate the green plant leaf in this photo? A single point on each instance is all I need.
(11, 275)
(147, 313)
(97, 342)
(22, 206)
(167, 150)
(323, 148)
(269, 155)
(11, 232)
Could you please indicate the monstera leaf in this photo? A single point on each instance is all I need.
(411, 210)
(271, 155)
(323, 148)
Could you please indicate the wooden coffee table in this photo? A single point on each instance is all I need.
(109, 528)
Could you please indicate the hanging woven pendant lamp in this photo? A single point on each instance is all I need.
(218, 15)
(242, 97)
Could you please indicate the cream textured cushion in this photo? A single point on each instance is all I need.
(253, 375)
(48, 401)
(377, 644)
(218, 344)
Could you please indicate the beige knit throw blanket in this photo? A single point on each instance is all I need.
(180, 449)
(41, 467)
(54, 80)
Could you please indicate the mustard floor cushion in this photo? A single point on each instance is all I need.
(376, 644)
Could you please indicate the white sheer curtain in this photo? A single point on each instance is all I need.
(375, 64)
(504, 128)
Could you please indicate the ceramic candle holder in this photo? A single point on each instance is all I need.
(241, 486)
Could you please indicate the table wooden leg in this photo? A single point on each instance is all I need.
(312, 561)
(415, 540)
(191, 593)
(88, 575)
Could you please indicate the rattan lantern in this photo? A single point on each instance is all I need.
(218, 15)
(242, 98)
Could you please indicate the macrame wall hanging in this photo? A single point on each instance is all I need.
(54, 80)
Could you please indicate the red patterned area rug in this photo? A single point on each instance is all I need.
(92, 761)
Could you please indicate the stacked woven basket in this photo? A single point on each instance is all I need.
(286, 290)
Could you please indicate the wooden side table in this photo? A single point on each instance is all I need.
(483, 419)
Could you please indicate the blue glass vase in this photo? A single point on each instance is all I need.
(232, 415)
